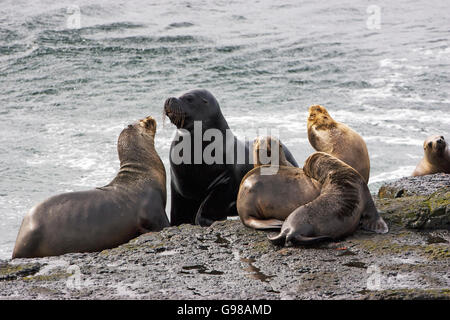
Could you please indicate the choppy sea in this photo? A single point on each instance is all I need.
(73, 74)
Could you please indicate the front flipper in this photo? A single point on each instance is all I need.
(182, 210)
(218, 204)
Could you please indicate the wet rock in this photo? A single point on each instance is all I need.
(413, 186)
(230, 261)
(430, 210)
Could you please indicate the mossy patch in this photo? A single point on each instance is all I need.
(418, 212)
(48, 277)
(386, 246)
(13, 271)
(436, 252)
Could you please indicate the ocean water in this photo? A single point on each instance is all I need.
(73, 74)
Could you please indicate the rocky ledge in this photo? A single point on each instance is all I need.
(230, 261)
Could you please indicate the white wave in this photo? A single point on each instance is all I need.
(382, 115)
(395, 140)
(392, 175)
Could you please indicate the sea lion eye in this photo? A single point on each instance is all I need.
(430, 144)
(189, 99)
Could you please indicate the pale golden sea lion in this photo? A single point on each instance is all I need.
(131, 204)
(344, 203)
(337, 139)
(436, 157)
(265, 200)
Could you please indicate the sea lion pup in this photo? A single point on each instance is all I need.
(436, 157)
(207, 161)
(344, 202)
(131, 204)
(264, 199)
(337, 139)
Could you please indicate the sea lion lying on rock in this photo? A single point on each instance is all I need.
(131, 204)
(265, 200)
(436, 157)
(343, 204)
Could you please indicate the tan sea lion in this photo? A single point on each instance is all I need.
(337, 139)
(436, 157)
(265, 200)
(343, 204)
(131, 204)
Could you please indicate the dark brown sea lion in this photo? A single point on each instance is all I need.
(343, 204)
(265, 200)
(205, 190)
(436, 157)
(337, 139)
(131, 204)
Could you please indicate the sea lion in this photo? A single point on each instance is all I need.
(344, 203)
(131, 204)
(264, 201)
(204, 190)
(337, 139)
(436, 157)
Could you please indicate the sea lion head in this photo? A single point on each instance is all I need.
(270, 148)
(435, 144)
(319, 117)
(194, 105)
(137, 140)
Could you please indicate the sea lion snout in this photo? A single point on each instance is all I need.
(173, 109)
(169, 105)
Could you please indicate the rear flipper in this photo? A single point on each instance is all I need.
(375, 224)
(371, 219)
(263, 224)
(302, 236)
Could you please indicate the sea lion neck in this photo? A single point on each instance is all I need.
(217, 122)
(140, 166)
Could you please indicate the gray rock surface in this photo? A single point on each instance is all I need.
(230, 261)
(410, 186)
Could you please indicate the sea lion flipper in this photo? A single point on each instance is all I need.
(371, 219)
(375, 224)
(288, 238)
(217, 205)
(304, 235)
(264, 224)
(298, 239)
(279, 239)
